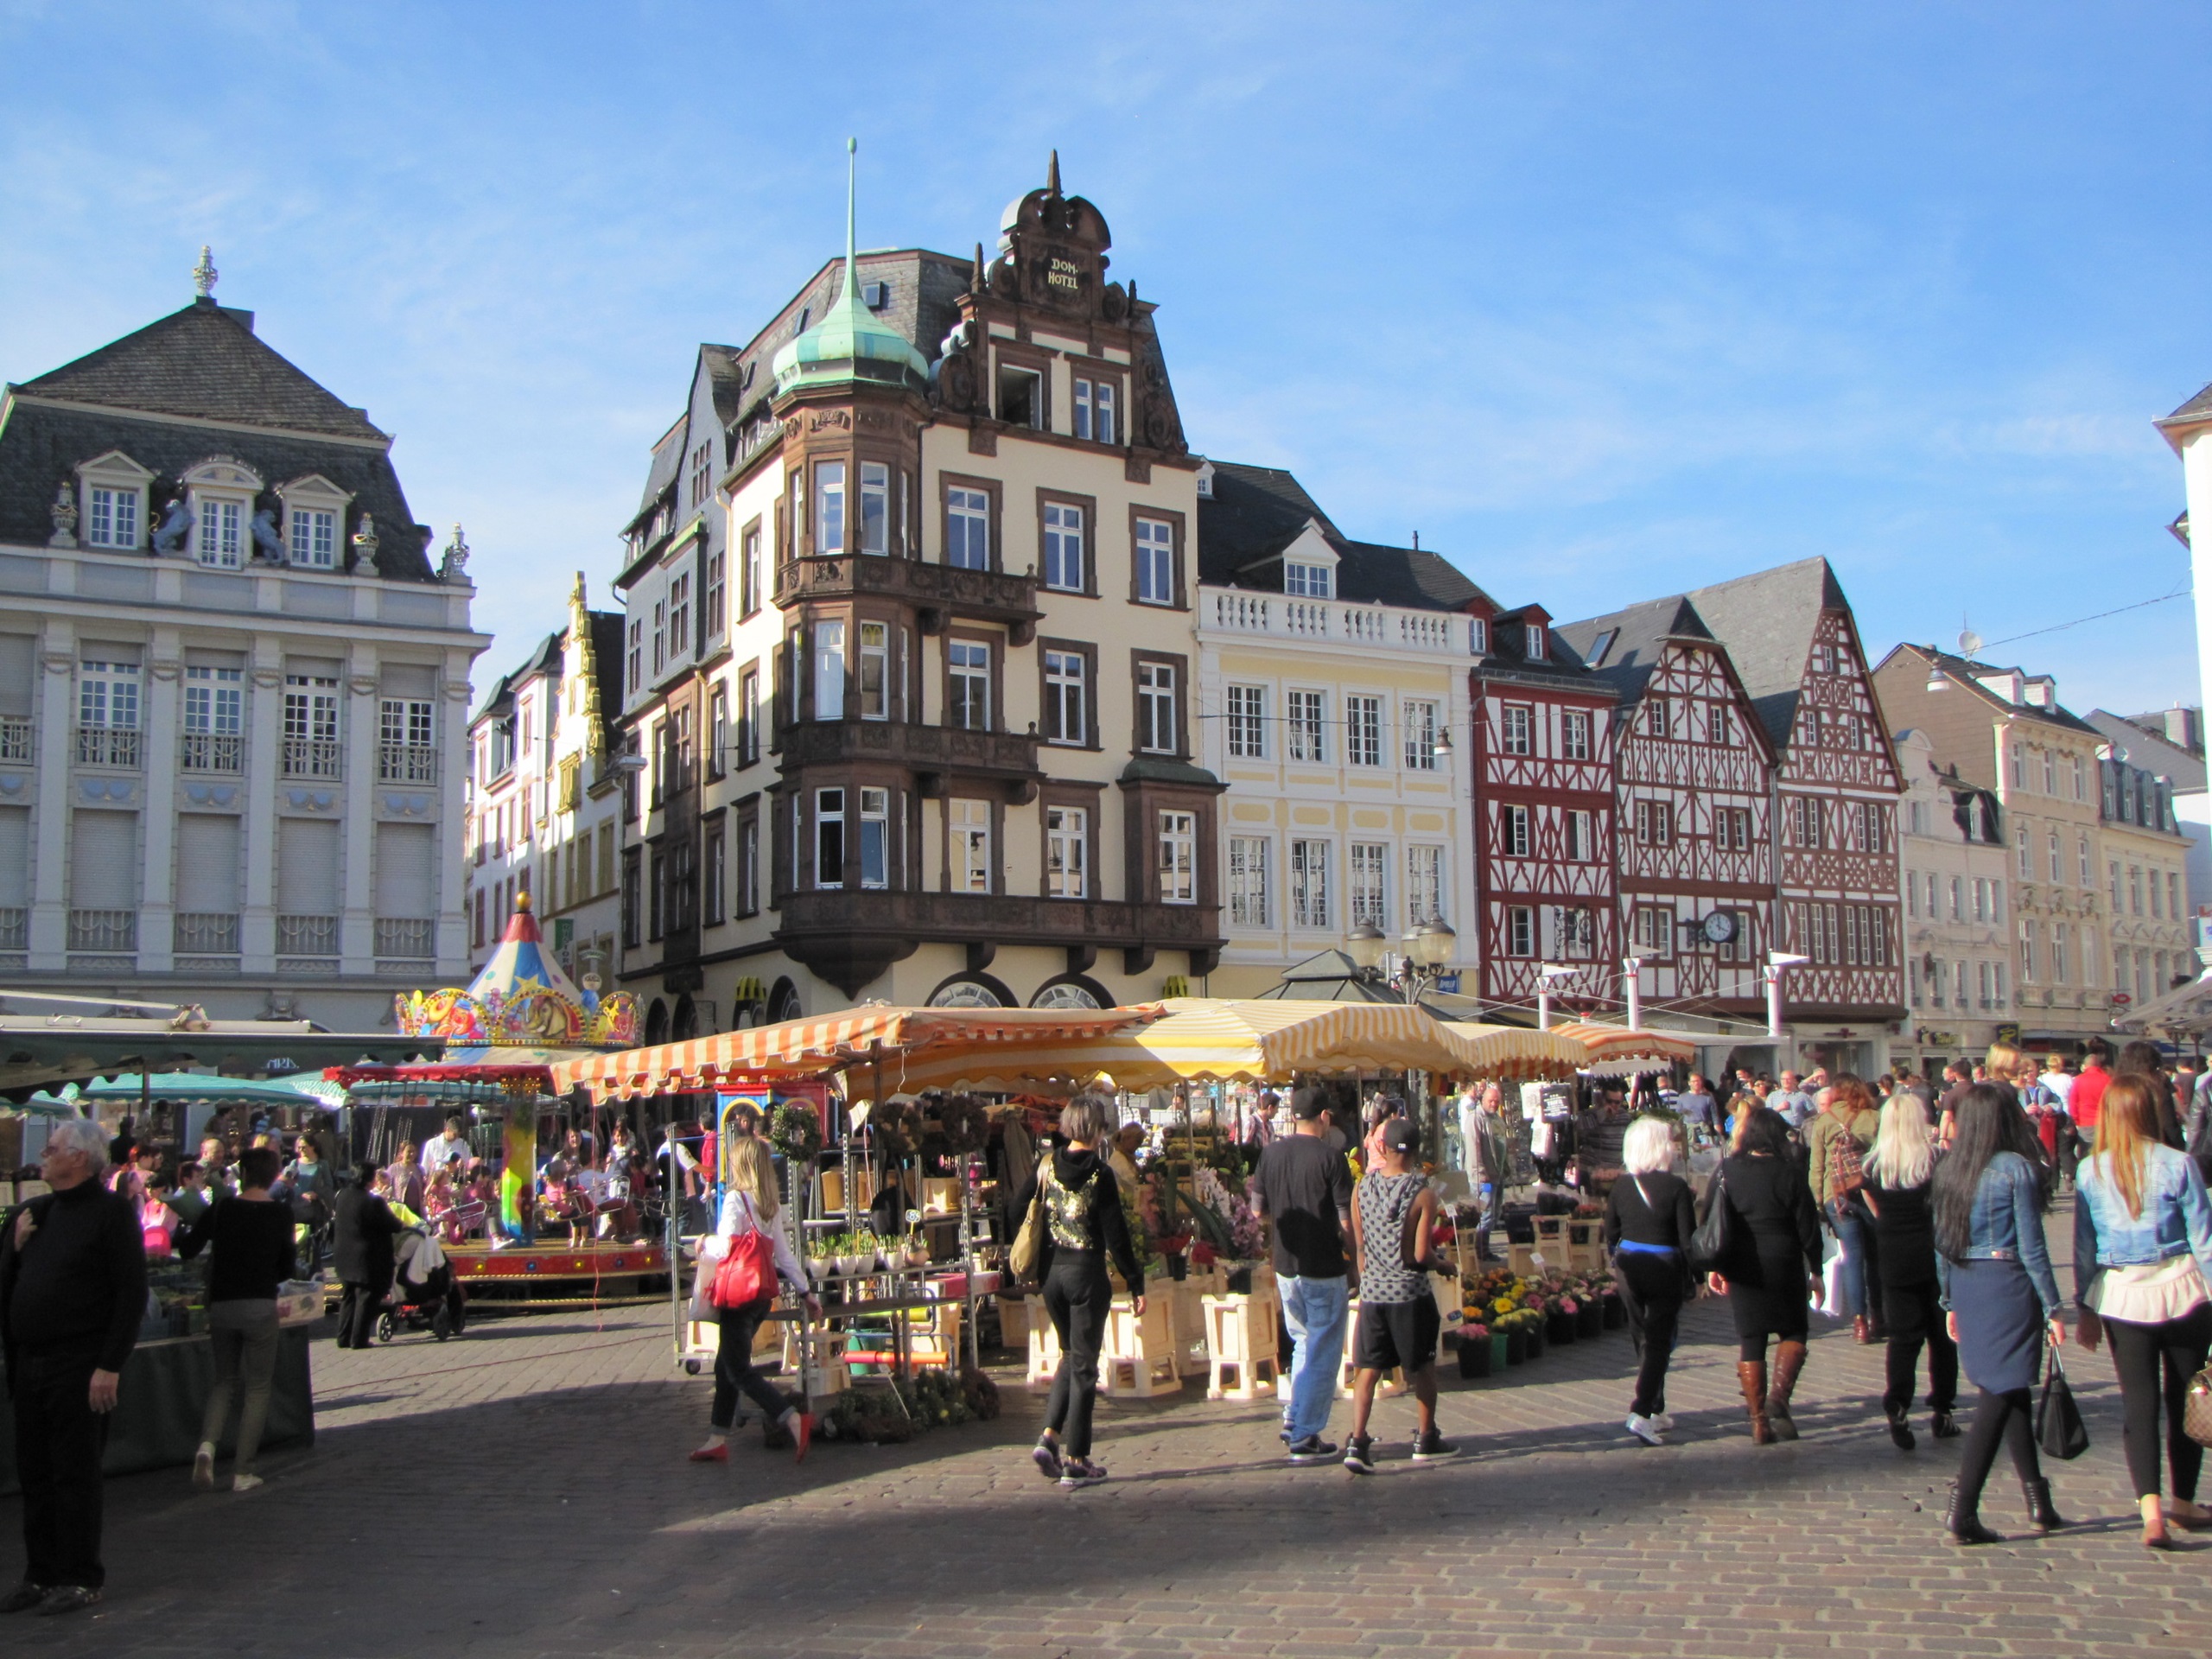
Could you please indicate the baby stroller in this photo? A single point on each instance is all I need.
(424, 1294)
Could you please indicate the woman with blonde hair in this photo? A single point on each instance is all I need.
(2142, 1257)
(1649, 1221)
(749, 1204)
(1897, 1173)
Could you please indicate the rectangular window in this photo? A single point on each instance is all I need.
(829, 838)
(1654, 717)
(1022, 397)
(660, 635)
(1514, 723)
(1534, 635)
(828, 506)
(1157, 729)
(2027, 952)
(1997, 978)
(2051, 857)
(1064, 567)
(1364, 731)
(218, 533)
(214, 717)
(314, 538)
(748, 576)
(1655, 930)
(1513, 831)
(1309, 884)
(2135, 889)
(968, 687)
(1581, 836)
(1248, 881)
(1520, 930)
(114, 518)
(1248, 722)
(1368, 899)
(2173, 896)
(1424, 884)
(637, 655)
(1307, 581)
(2058, 953)
(2114, 868)
(1421, 734)
(701, 473)
(1094, 411)
(748, 717)
(711, 620)
(715, 859)
(2078, 780)
(748, 865)
(1304, 726)
(679, 617)
(1807, 823)
(1981, 898)
(1178, 858)
(1155, 558)
(875, 837)
(1733, 825)
(720, 738)
(310, 727)
(829, 671)
(967, 529)
(2019, 767)
(1477, 636)
(1574, 735)
(875, 671)
(1067, 852)
(876, 507)
(2050, 772)
(1066, 699)
(1655, 824)
(971, 845)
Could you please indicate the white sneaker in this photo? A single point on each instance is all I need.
(1644, 1429)
(203, 1470)
(1664, 1421)
(244, 1483)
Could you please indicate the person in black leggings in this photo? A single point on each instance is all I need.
(1649, 1221)
(1083, 1225)
(1896, 1198)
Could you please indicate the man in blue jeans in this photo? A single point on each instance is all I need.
(1303, 1190)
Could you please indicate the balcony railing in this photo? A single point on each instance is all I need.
(202, 933)
(924, 748)
(1386, 627)
(103, 930)
(311, 757)
(212, 751)
(406, 939)
(307, 936)
(107, 746)
(15, 929)
(15, 739)
(937, 590)
(406, 763)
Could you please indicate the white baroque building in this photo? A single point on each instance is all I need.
(233, 688)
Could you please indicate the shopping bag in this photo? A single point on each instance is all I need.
(2196, 1410)
(2059, 1428)
(748, 1272)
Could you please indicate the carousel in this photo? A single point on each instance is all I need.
(502, 1037)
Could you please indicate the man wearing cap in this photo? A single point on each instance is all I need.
(1302, 1189)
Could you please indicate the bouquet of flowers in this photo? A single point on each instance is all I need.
(1245, 1237)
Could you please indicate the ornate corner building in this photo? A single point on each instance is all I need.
(233, 686)
(909, 653)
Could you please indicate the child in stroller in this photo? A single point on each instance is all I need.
(425, 1296)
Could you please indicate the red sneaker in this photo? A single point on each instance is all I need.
(718, 1452)
(803, 1435)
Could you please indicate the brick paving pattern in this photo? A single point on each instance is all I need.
(521, 1493)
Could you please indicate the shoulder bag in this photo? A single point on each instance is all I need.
(748, 1272)
(1029, 1239)
(2059, 1429)
(1709, 1243)
(2197, 1409)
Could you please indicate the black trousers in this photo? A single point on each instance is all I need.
(2140, 1352)
(2007, 1418)
(59, 1440)
(1913, 1319)
(1077, 1298)
(357, 1312)
(734, 1371)
(1652, 1296)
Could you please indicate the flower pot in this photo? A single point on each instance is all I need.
(1559, 1328)
(1614, 1315)
(1240, 1281)
(1474, 1358)
(1499, 1362)
(1517, 1347)
(1589, 1320)
(1537, 1344)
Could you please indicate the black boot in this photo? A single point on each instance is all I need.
(1900, 1428)
(2043, 1515)
(1945, 1427)
(1965, 1526)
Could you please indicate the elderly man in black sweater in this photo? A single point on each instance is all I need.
(73, 1292)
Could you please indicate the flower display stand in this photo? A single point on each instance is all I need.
(1187, 1298)
(1014, 1321)
(1139, 1360)
(1521, 1260)
(1241, 1339)
(1044, 1346)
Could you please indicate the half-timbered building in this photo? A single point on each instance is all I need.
(1694, 769)
(1543, 817)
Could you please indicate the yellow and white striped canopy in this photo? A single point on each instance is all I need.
(1619, 1043)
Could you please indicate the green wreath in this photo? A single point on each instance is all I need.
(796, 1130)
(965, 1122)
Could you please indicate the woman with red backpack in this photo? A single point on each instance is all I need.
(755, 1253)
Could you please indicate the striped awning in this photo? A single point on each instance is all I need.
(805, 1048)
(1619, 1043)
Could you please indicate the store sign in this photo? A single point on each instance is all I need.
(1448, 984)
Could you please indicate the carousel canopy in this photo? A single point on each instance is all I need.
(1606, 1044)
(806, 1048)
(521, 999)
(2185, 1012)
(1256, 1040)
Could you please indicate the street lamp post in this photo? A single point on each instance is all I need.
(1778, 963)
(1632, 983)
(1426, 949)
(1546, 973)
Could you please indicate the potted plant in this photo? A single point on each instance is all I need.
(1589, 1310)
(1559, 1318)
(1475, 1353)
(1613, 1314)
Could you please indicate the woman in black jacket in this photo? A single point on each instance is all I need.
(1771, 1266)
(249, 1240)
(1899, 1174)
(1083, 1225)
(1648, 1227)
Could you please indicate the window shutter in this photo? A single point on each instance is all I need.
(103, 860)
(17, 659)
(15, 857)
(406, 890)
(307, 867)
(207, 864)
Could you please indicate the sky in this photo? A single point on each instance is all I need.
(1604, 301)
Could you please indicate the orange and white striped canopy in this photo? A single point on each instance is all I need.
(1619, 1043)
(806, 1048)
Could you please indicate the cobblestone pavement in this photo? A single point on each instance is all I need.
(522, 1491)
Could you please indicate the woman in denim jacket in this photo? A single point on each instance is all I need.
(2142, 1252)
(2001, 1299)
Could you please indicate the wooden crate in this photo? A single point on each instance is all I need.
(1139, 1360)
(1241, 1341)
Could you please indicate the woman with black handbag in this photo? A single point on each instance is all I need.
(2001, 1298)
(2142, 1253)
(1768, 1264)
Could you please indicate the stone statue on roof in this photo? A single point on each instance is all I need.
(177, 520)
(268, 540)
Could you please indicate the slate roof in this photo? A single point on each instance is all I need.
(206, 363)
(1962, 670)
(1767, 620)
(1254, 512)
(1640, 636)
(201, 363)
(2151, 752)
(545, 659)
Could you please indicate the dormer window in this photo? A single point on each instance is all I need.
(1094, 409)
(1205, 480)
(1534, 635)
(1021, 397)
(1477, 636)
(314, 538)
(222, 493)
(1307, 581)
(1602, 646)
(315, 523)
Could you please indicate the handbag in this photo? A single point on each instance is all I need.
(1709, 1243)
(2059, 1429)
(2197, 1409)
(1029, 1239)
(748, 1272)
